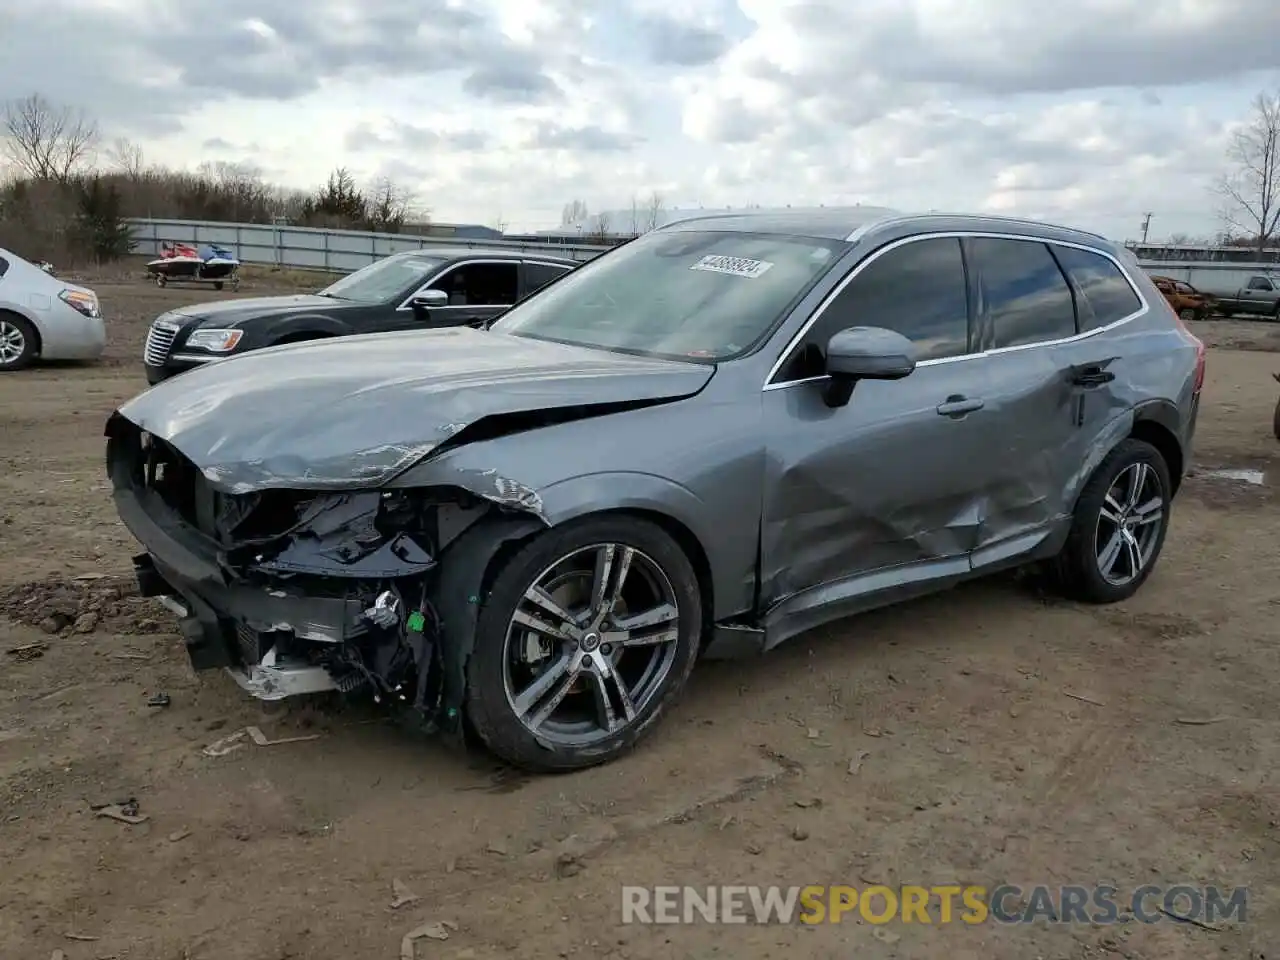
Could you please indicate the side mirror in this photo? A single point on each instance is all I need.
(428, 300)
(865, 353)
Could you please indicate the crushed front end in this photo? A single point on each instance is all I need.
(293, 591)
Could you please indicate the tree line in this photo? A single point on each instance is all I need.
(69, 195)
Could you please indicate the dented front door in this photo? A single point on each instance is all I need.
(894, 480)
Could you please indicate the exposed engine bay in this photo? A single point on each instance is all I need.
(299, 592)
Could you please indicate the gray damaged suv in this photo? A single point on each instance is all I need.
(704, 442)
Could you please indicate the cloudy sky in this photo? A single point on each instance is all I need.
(1092, 112)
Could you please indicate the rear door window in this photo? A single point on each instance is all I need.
(1103, 294)
(1026, 296)
(540, 274)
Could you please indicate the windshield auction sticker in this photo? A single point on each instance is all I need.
(735, 266)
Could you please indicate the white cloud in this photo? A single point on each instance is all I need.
(1093, 112)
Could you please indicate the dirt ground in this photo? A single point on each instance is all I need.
(987, 735)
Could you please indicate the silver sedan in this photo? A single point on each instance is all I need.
(42, 317)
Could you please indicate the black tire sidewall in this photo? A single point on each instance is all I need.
(487, 709)
(30, 342)
(1079, 560)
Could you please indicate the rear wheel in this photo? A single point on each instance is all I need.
(588, 634)
(1187, 314)
(217, 285)
(19, 343)
(1119, 526)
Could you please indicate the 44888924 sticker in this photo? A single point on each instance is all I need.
(734, 266)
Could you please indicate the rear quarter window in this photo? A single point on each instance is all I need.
(4, 266)
(1103, 295)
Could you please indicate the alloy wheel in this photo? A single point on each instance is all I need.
(1129, 523)
(590, 644)
(12, 343)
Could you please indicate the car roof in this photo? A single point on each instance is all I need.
(466, 253)
(853, 224)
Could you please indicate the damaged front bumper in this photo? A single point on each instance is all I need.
(293, 592)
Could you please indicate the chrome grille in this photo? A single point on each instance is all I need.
(159, 343)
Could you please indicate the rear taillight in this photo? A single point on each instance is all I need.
(1200, 351)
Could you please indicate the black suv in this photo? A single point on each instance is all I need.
(418, 289)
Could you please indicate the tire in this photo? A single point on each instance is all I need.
(19, 342)
(1079, 565)
(217, 285)
(658, 566)
(1187, 314)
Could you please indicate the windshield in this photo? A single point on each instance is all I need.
(382, 280)
(687, 295)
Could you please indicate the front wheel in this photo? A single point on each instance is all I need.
(588, 634)
(1119, 526)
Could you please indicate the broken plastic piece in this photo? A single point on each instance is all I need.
(260, 738)
(431, 931)
(402, 894)
(385, 611)
(159, 700)
(221, 748)
(417, 622)
(124, 812)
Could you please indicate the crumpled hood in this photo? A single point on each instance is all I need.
(356, 411)
(228, 313)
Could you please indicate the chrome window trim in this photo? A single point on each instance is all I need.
(549, 263)
(448, 270)
(795, 340)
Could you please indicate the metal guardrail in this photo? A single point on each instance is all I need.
(310, 248)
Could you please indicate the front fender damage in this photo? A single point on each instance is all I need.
(301, 589)
(381, 589)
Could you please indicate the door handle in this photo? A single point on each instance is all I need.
(1092, 377)
(958, 406)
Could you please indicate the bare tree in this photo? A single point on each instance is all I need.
(390, 205)
(45, 141)
(575, 211)
(601, 231)
(126, 156)
(653, 211)
(1251, 188)
(635, 217)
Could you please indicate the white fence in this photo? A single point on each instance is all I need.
(339, 251)
(342, 251)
